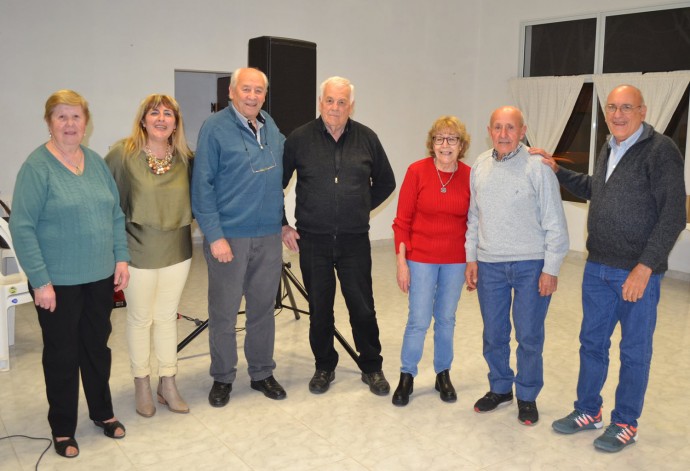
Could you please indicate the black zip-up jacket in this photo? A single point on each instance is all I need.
(338, 183)
(637, 215)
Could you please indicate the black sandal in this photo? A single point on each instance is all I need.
(61, 447)
(109, 428)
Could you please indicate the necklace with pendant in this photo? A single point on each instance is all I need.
(159, 166)
(78, 170)
(444, 185)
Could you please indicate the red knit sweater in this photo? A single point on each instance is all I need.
(432, 224)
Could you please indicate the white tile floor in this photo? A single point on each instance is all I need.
(349, 428)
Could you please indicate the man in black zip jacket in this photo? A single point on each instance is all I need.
(636, 212)
(342, 174)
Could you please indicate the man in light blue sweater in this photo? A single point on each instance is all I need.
(515, 243)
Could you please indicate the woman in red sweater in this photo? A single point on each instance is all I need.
(429, 233)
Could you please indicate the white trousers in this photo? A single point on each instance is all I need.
(152, 299)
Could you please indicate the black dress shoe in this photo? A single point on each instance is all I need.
(445, 387)
(401, 396)
(220, 394)
(321, 381)
(377, 383)
(270, 387)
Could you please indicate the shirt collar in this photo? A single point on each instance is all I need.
(259, 119)
(626, 144)
(508, 156)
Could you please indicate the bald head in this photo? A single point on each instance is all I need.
(508, 111)
(630, 92)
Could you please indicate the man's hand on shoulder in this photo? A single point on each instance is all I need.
(546, 158)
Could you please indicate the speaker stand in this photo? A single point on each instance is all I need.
(288, 280)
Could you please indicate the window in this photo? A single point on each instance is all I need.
(547, 42)
(572, 150)
(647, 41)
(650, 41)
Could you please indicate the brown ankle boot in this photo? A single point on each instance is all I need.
(143, 397)
(168, 395)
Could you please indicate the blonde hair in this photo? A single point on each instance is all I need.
(69, 98)
(452, 124)
(136, 142)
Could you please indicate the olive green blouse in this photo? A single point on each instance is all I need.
(158, 214)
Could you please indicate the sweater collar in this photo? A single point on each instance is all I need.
(322, 126)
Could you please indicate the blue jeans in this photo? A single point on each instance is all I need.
(603, 307)
(434, 291)
(499, 284)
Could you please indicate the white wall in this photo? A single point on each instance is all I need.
(411, 61)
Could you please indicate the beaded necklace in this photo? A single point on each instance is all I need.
(159, 166)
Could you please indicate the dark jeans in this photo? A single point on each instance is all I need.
(75, 340)
(350, 256)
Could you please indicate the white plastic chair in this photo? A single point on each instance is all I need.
(14, 290)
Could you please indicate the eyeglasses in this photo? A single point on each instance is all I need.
(261, 161)
(452, 140)
(625, 109)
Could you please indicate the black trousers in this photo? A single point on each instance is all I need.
(320, 257)
(75, 340)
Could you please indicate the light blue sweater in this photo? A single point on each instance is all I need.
(67, 229)
(515, 212)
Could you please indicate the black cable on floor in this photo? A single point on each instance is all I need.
(50, 442)
(198, 322)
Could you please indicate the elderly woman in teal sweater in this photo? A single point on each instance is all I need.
(69, 235)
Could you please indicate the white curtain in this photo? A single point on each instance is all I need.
(662, 92)
(546, 103)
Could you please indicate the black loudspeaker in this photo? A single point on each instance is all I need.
(290, 65)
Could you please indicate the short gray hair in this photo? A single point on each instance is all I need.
(338, 82)
(235, 76)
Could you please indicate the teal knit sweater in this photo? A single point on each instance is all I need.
(67, 229)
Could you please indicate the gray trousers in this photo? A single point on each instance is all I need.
(253, 272)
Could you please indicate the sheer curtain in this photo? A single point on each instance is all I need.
(546, 103)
